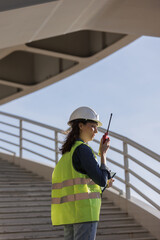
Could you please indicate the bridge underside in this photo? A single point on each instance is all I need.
(43, 42)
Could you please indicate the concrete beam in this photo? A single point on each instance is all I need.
(43, 42)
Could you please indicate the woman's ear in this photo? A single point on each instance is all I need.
(80, 125)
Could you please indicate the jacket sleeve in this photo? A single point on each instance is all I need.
(84, 162)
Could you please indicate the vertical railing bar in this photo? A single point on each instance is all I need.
(126, 166)
(56, 146)
(20, 138)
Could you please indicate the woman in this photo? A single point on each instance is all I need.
(77, 178)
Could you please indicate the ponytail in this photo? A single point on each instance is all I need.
(72, 136)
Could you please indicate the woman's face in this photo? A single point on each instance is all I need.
(88, 131)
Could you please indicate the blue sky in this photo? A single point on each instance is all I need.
(127, 83)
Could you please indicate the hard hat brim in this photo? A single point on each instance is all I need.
(98, 122)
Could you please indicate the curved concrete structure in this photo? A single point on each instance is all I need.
(43, 42)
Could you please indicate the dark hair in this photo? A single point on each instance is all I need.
(73, 135)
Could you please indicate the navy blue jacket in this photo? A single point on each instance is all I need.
(84, 162)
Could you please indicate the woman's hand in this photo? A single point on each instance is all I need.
(103, 149)
(104, 146)
(110, 182)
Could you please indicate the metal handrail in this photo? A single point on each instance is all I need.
(32, 121)
(134, 144)
(126, 142)
(21, 131)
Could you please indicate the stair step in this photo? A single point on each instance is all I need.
(117, 231)
(14, 170)
(143, 238)
(18, 174)
(24, 199)
(25, 204)
(123, 234)
(25, 189)
(112, 215)
(26, 221)
(109, 209)
(26, 210)
(25, 215)
(30, 228)
(32, 235)
(25, 194)
(59, 238)
(19, 178)
(119, 226)
(26, 184)
(105, 203)
(101, 237)
(114, 221)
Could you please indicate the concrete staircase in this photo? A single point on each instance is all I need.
(25, 210)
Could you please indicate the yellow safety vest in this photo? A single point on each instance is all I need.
(75, 197)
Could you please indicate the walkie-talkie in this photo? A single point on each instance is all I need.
(105, 136)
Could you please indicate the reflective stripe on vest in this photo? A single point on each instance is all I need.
(76, 197)
(71, 182)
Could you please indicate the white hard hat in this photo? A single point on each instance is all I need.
(84, 113)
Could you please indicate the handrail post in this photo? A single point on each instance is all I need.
(56, 146)
(126, 166)
(20, 138)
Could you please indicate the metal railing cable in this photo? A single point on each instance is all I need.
(21, 136)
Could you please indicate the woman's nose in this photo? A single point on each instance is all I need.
(96, 130)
